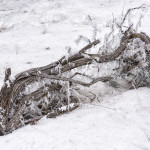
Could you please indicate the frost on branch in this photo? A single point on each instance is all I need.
(121, 60)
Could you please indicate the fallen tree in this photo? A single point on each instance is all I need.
(55, 91)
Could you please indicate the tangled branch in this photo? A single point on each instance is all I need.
(18, 107)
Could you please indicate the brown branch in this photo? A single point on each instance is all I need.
(103, 79)
(127, 13)
(62, 61)
(125, 40)
(10, 99)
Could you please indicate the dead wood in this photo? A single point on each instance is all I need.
(15, 106)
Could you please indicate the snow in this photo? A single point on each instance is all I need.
(37, 32)
(125, 126)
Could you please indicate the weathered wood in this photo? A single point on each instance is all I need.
(14, 105)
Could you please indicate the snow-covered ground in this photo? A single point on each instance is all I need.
(35, 33)
(123, 125)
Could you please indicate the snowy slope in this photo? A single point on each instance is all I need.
(123, 127)
(35, 33)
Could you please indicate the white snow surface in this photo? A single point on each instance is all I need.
(37, 32)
